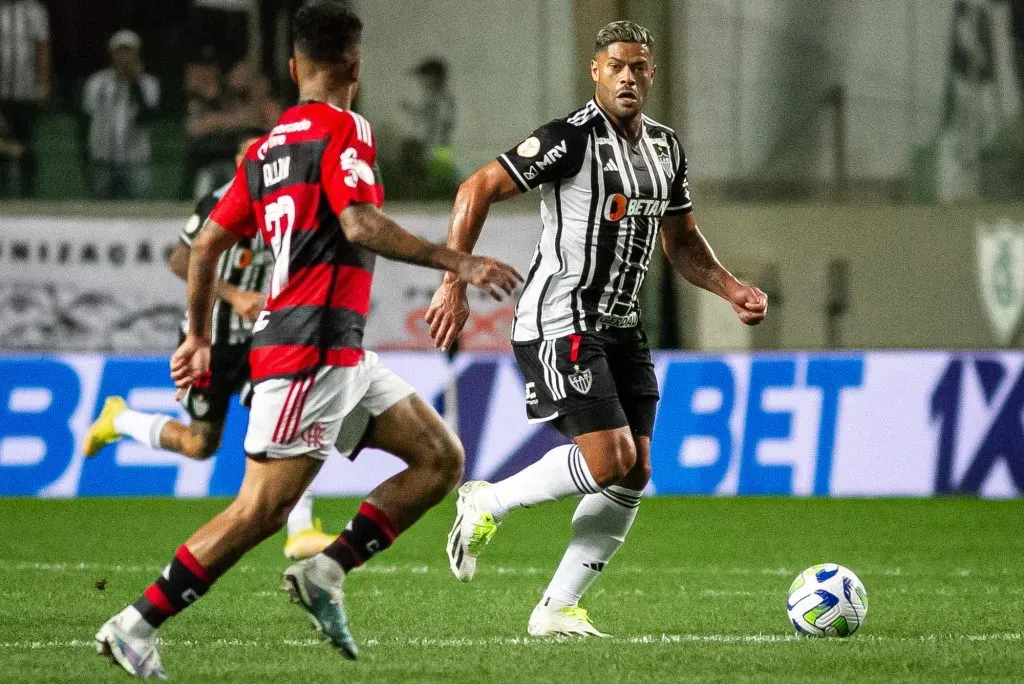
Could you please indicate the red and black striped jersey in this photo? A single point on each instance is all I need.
(292, 187)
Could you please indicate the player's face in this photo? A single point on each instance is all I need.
(623, 73)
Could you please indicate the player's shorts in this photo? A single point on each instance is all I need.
(590, 381)
(308, 415)
(210, 395)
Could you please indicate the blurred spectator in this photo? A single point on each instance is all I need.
(428, 156)
(120, 101)
(217, 111)
(10, 151)
(24, 80)
(226, 24)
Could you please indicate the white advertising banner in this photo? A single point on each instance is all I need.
(806, 424)
(84, 284)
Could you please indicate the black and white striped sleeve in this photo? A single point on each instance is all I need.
(555, 150)
(680, 201)
(195, 222)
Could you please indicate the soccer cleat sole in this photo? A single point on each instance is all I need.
(345, 647)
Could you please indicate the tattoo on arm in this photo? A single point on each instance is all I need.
(693, 257)
(369, 227)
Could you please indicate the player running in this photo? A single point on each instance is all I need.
(311, 190)
(242, 275)
(610, 178)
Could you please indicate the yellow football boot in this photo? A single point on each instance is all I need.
(102, 431)
(308, 542)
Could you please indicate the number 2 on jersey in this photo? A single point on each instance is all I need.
(279, 218)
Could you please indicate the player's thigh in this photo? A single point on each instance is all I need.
(569, 384)
(276, 483)
(413, 431)
(636, 383)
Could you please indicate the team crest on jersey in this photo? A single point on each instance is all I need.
(581, 380)
(200, 406)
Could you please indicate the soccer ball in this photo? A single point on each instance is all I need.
(827, 600)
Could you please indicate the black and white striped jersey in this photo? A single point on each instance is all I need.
(246, 266)
(602, 201)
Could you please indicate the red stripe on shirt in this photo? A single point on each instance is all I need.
(352, 290)
(306, 287)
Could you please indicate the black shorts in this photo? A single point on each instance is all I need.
(210, 395)
(590, 381)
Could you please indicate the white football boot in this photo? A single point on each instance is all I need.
(130, 644)
(316, 584)
(562, 621)
(474, 526)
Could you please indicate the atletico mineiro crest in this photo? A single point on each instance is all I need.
(581, 380)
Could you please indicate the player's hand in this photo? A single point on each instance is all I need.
(749, 303)
(248, 304)
(447, 313)
(490, 275)
(191, 360)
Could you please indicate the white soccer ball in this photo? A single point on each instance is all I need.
(827, 600)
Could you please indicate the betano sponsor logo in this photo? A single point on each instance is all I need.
(618, 207)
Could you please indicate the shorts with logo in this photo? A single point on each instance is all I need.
(210, 395)
(591, 381)
(332, 407)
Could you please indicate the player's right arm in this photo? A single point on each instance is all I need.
(248, 304)
(561, 147)
(367, 226)
(355, 195)
(230, 221)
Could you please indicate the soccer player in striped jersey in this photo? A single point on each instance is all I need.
(611, 179)
(310, 189)
(242, 275)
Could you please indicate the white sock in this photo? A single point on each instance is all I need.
(301, 517)
(559, 473)
(132, 621)
(142, 427)
(599, 526)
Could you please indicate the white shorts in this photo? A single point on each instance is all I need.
(309, 415)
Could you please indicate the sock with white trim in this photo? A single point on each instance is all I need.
(301, 517)
(599, 526)
(142, 427)
(559, 473)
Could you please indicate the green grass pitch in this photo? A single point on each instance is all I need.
(696, 594)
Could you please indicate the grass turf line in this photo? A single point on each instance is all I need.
(696, 594)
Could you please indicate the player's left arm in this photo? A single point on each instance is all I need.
(692, 256)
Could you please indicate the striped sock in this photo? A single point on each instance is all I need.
(369, 533)
(560, 473)
(599, 527)
(182, 582)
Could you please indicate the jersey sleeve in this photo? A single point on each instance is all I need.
(348, 167)
(554, 151)
(234, 210)
(195, 222)
(679, 201)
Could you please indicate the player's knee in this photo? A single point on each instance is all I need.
(619, 458)
(445, 457)
(200, 445)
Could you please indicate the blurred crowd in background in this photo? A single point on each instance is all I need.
(145, 99)
(135, 99)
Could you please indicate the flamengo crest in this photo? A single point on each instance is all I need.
(581, 380)
(1000, 253)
